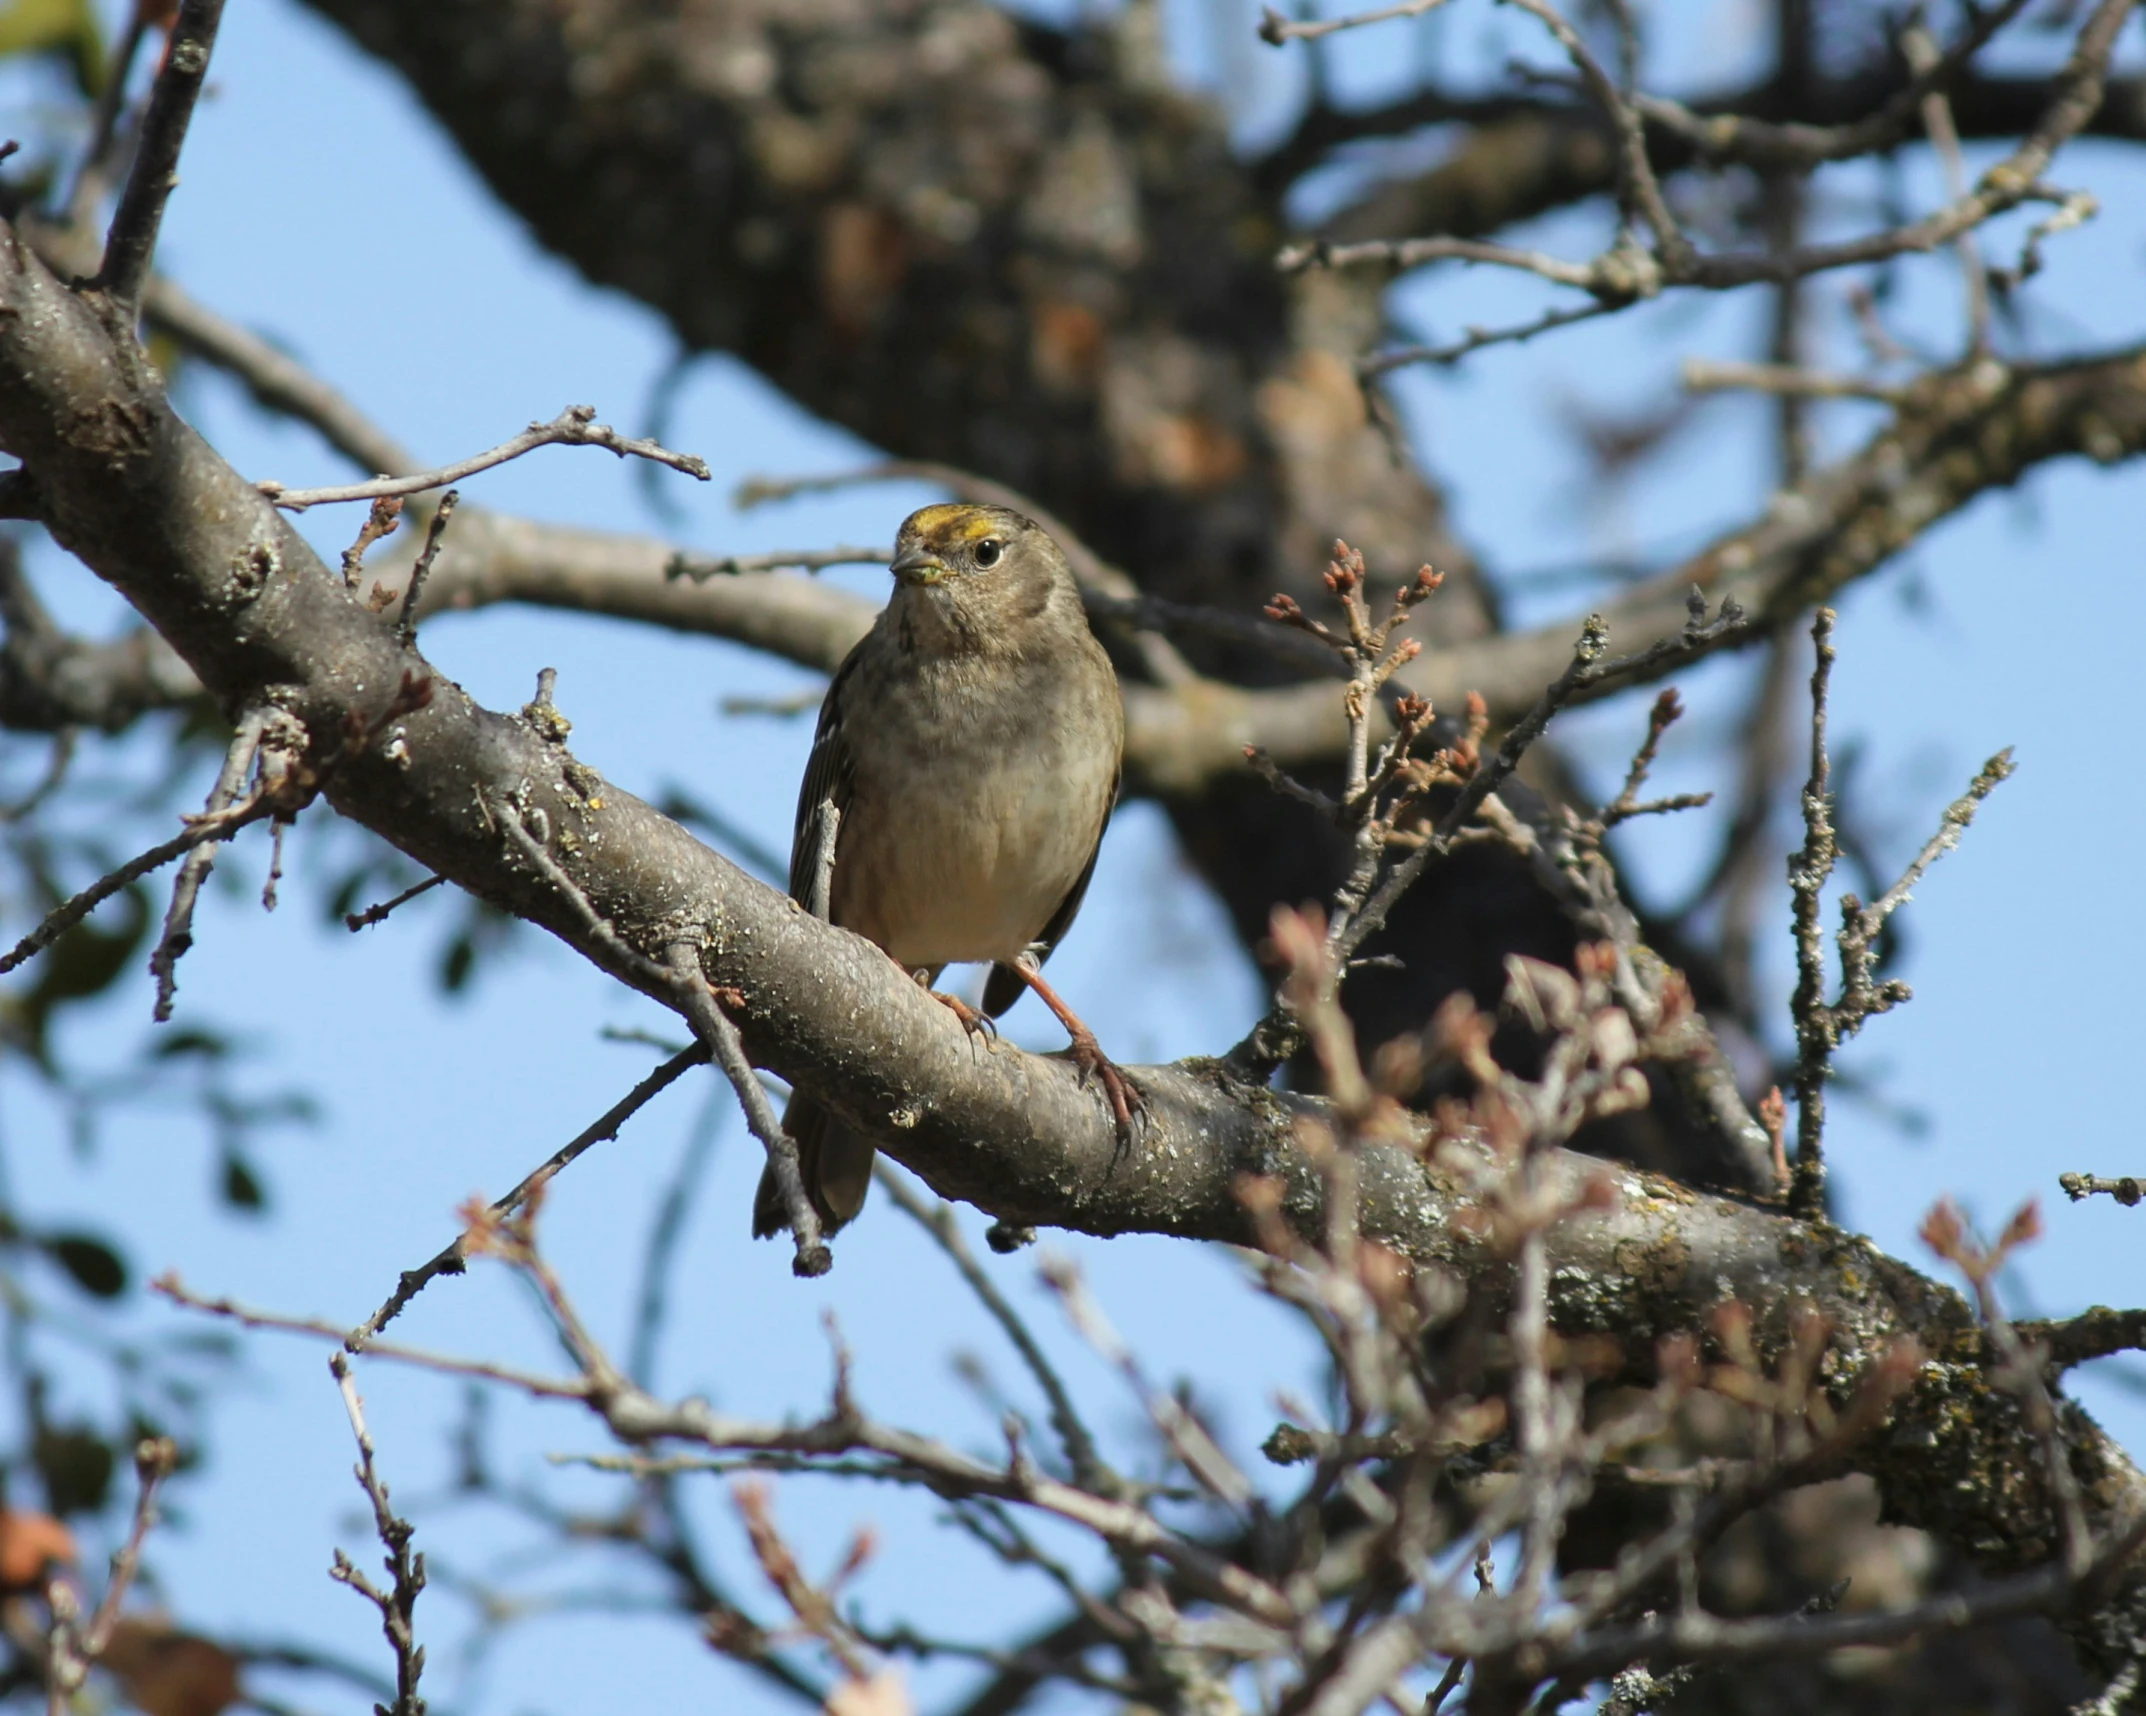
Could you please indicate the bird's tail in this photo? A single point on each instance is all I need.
(836, 1164)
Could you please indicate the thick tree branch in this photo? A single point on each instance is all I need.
(149, 506)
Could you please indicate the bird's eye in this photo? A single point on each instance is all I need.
(988, 551)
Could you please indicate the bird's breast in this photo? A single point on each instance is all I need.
(974, 810)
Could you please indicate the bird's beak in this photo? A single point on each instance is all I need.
(918, 566)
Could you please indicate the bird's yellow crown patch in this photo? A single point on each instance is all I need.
(953, 521)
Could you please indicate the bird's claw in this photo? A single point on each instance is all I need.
(1123, 1095)
(972, 1021)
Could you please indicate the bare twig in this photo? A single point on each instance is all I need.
(435, 529)
(64, 917)
(1180, 1429)
(1275, 28)
(355, 921)
(406, 1571)
(73, 1648)
(683, 980)
(576, 426)
(178, 933)
(1626, 272)
(2074, 208)
(282, 791)
(131, 242)
(454, 1258)
(1590, 664)
(1808, 870)
(813, 1606)
(939, 1221)
(1862, 995)
(2094, 1333)
(1923, 57)
(1822, 1026)
(380, 522)
(1668, 707)
(91, 176)
(1704, 376)
(719, 1038)
(1475, 339)
(2126, 1189)
(169, 1286)
(1740, 137)
(700, 568)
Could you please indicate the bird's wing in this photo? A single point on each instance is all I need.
(1004, 986)
(829, 775)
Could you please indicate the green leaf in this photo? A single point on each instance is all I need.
(242, 1187)
(76, 1465)
(97, 1269)
(189, 1041)
(67, 27)
(460, 961)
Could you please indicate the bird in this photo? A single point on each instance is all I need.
(965, 765)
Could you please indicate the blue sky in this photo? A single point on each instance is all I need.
(321, 205)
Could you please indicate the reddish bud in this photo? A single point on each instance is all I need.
(1943, 1230)
(2024, 1228)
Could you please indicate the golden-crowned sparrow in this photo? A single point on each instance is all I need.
(966, 761)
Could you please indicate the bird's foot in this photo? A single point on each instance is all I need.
(972, 1021)
(1123, 1095)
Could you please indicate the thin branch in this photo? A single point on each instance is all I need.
(576, 426)
(91, 176)
(1923, 58)
(454, 1258)
(939, 1220)
(1625, 272)
(1591, 664)
(1475, 339)
(355, 921)
(155, 1459)
(169, 1286)
(64, 917)
(720, 1039)
(130, 243)
(381, 521)
(700, 568)
(73, 1648)
(406, 1571)
(1808, 870)
(2126, 1190)
(421, 569)
(1703, 376)
(178, 933)
(1639, 191)
(1862, 995)
(1406, 253)
(1275, 28)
